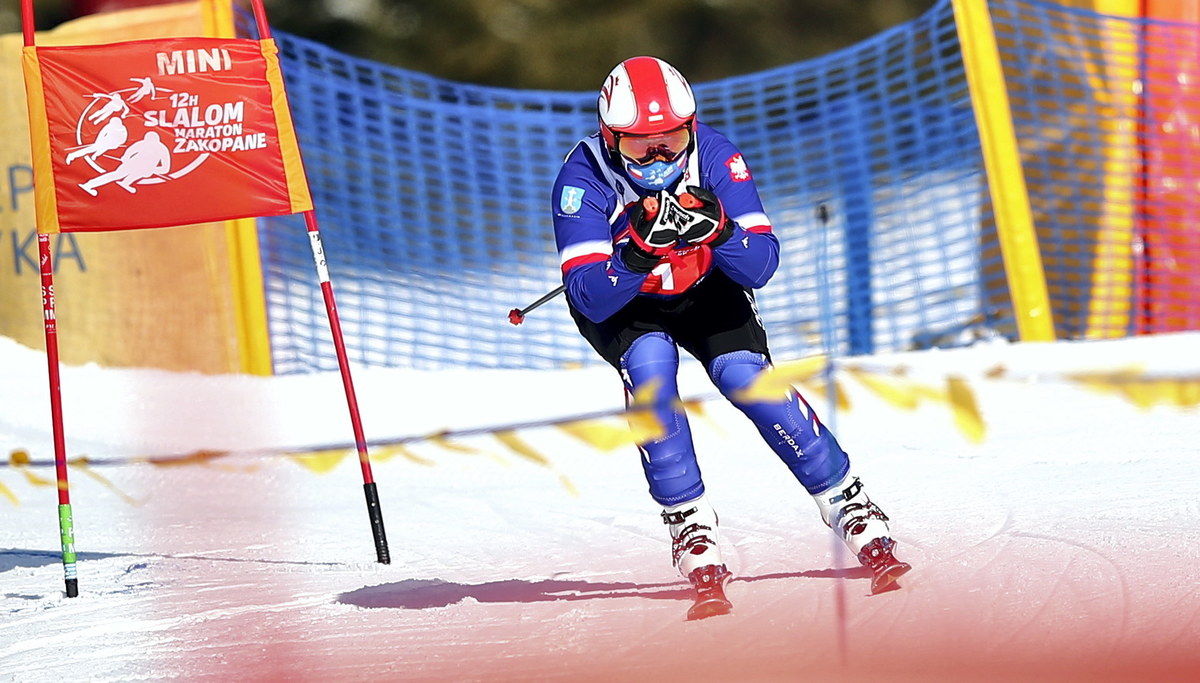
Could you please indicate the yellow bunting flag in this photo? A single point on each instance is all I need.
(568, 485)
(19, 459)
(195, 458)
(895, 390)
(600, 434)
(818, 388)
(321, 462)
(441, 439)
(966, 412)
(1144, 392)
(644, 424)
(81, 464)
(519, 446)
(7, 493)
(403, 451)
(776, 384)
(696, 408)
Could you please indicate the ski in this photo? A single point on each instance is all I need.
(710, 601)
(884, 576)
(709, 607)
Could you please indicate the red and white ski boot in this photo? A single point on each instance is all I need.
(848, 510)
(696, 552)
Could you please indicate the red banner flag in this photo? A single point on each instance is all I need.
(157, 133)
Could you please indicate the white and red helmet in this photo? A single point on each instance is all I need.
(647, 118)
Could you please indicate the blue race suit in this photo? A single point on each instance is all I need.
(591, 197)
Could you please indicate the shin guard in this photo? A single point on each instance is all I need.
(790, 426)
(670, 461)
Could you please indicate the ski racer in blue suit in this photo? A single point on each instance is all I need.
(662, 240)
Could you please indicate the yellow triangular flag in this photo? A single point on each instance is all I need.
(400, 449)
(645, 425)
(321, 462)
(570, 487)
(1187, 393)
(81, 464)
(19, 459)
(896, 391)
(444, 441)
(518, 445)
(697, 409)
(7, 493)
(966, 412)
(194, 458)
(599, 434)
(818, 388)
(1178, 392)
(775, 384)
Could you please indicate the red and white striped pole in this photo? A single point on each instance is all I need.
(374, 512)
(66, 525)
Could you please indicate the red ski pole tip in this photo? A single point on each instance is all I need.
(516, 317)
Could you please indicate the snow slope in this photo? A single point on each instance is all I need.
(1062, 547)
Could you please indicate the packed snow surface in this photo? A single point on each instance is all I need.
(1063, 546)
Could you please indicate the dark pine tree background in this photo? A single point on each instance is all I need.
(558, 44)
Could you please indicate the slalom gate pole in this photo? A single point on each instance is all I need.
(829, 342)
(374, 513)
(517, 315)
(66, 525)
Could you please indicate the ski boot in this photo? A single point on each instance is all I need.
(696, 552)
(847, 510)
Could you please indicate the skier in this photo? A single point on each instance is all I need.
(143, 159)
(111, 136)
(662, 237)
(114, 106)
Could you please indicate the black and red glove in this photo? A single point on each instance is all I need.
(651, 235)
(706, 222)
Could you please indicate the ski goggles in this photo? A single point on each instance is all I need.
(642, 149)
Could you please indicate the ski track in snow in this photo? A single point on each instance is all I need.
(1062, 548)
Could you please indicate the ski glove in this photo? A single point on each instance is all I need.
(651, 236)
(705, 221)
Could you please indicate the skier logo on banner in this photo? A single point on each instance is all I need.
(160, 130)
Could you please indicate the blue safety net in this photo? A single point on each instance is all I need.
(433, 203)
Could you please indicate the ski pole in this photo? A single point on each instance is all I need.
(517, 315)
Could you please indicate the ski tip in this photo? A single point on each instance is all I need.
(709, 608)
(886, 580)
